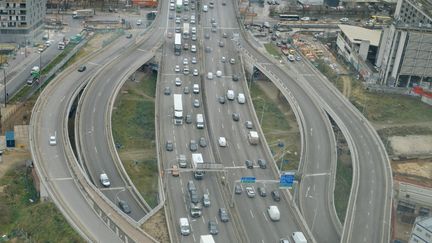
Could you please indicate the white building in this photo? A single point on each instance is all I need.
(405, 53)
(21, 20)
(422, 231)
(359, 46)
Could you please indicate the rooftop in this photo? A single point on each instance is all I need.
(426, 223)
(357, 34)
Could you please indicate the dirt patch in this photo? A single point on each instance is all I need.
(413, 171)
(412, 144)
(156, 226)
(346, 86)
(12, 157)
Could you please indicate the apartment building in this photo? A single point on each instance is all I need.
(21, 20)
(405, 53)
(422, 231)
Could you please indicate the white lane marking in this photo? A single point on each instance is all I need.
(203, 219)
(93, 63)
(234, 164)
(182, 189)
(250, 211)
(265, 216)
(318, 174)
(193, 236)
(222, 125)
(61, 179)
(95, 149)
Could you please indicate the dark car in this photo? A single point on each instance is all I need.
(169, 145)
(236, 116)
(238, 189)
(82, 68)
(223, 214)
(249, 164)
(213, 229)
(221, 44)
(194, 196)
(221, 99)
(276, 195)
(249, 124)
(262, 163)
(129, 35)
(202, 142)
(262, 191)
(167, 90)
(193, 146)
(124, 206)
(207, 35)
(235, 77)
(188, 119)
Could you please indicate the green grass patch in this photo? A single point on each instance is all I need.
(28, 221)
(134, 129)
(275, 124)
(272, 50)
(342, 187)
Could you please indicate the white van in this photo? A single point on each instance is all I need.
(184, 226)
(196, 89)
(230, 94)
(241, 98)
(273, 212)
(298, 237)
(210, 75)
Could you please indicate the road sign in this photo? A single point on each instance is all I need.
(286, 180)
(247, 180)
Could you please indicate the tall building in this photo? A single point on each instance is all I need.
(405, 52)
(422, 231)
(21, 20)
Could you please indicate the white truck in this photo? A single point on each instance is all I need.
(200, 121)
(185, 30)
(178, 109)
(197, 163)
(82, 13)
(207, 239)
(298, 237)
(253, 137)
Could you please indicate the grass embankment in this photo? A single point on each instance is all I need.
(380, 109)
(278, 124)
(273, 50)
(134, 130)
(28, 221)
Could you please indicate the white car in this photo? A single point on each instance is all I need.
(193, 48)
(185, 61)
(230, 94)
(218, 73)
(53, 140)
(195, 72)
(205, 8)
(210, 75)
(232, 60)
(177, 68)
(344, 20)
(104, 180)
(194, 60)
(139, 22)
(178, 81)
(222, 141)
(250, 191)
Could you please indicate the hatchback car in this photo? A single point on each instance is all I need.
(175, 171)
(167, 90)
(169, 145)
(275, 195)
(223, 214)
(248, 124)
(221, 99)
(177, 68)
(195, 72)
(186, 90)
(206, 200)
(193, 37)
(238, 189)
(235, 77)
(178, 81)
(196, 103)
(103, 178)
(202, 142)
(250, 191)
(262, 191)
(194, 60)
(249, 164)
(235, 116)
(52, 140)
(185, 61)
(82, 68)
(188, 119)
(213, 229)
(262, 163)
(193, 48)
(193, 146)
(124, 206)
(177, 20)
(218, 73)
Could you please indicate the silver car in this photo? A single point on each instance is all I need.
(206, 200)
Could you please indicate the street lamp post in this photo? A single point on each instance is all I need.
(116, 195)
(4, 83)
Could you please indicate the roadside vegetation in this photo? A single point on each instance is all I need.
(278, 124)
(273, 50)
(134, 133)
(23, 217)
